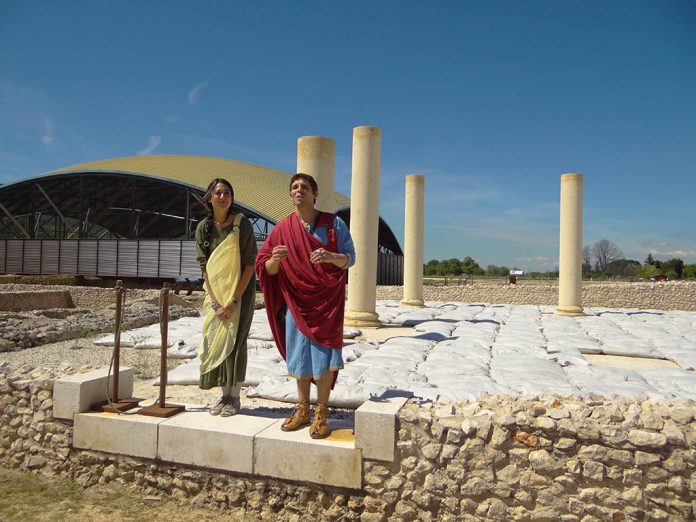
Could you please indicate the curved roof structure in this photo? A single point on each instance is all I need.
(256, 187)
(148, 197)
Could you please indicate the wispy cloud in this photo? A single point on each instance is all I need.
(171, 119)
(47, 137)
(151, 146)
(667, 250)
(195, 93)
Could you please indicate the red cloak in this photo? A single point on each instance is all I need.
(314, 293)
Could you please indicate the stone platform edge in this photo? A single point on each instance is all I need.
(248, 443)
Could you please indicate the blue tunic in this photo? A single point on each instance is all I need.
(304, 357)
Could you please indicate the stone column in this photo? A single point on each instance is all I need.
(316, 156)
(570, 254)
(413, 241)
(364, 227)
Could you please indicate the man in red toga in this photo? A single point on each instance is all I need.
(301, 267)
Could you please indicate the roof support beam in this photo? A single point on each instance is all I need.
(16, 223)
(53, 205)
(102, 211)
(157, 215)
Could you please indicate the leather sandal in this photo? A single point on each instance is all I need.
(320, 426)
(298, 418)
(217, 409)
(231, 408)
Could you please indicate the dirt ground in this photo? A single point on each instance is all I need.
(28, 496)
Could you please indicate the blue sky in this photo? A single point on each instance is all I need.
(491, 101)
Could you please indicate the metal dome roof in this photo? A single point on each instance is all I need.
(255, 186)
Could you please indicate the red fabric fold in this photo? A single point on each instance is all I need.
(314, 293)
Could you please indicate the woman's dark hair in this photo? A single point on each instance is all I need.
(309, 179)
(208, 227)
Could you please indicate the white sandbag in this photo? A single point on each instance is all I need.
(671, 381)
(471, 389)
(608, 382)
(451, 354)
(436, 326)
(413, 317)
(350, 332)
(179, 351)
(187, 373)
(363, 347)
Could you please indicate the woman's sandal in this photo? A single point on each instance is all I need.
(298, 418)
(320, 427)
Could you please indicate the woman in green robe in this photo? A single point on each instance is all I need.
(226, 250)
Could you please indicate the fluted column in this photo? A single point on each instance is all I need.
(570, 254)
(316, 157)
(364, 227)
(413, 240)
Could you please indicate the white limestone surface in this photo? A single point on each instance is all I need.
(462, 351)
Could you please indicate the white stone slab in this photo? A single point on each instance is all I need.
(77, 393)
(296, 456)
(199, 439)
(123, 434)
(375, 426)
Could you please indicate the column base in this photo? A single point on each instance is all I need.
(569, 311)
(361, 319)
(418, 303)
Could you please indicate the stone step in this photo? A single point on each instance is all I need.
(251, 442)
(244, 443)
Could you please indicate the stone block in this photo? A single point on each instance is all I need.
(76, 393)
(296, 456)
(129, 434)
(199, 439)
(375, 425)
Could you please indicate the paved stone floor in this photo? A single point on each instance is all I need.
(459, 351)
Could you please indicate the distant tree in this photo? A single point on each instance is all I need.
(497, 271)
(471, 267)
(451, 266)
(430, 267)
(586, 259)
(689, 271)
(673, 268)
(649, 260)
(623, 268)
(605, 252)
(647, 271)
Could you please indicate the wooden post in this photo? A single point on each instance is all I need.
(114, 404)
(161, 408)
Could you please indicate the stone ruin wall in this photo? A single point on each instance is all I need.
(503, 458)
(672, 295)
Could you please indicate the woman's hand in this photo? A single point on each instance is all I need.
(222, 313)
(230, 309)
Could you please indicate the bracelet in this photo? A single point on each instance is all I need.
(214, 305)
(234, 300)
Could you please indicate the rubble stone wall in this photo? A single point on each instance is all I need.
(672, 295)
(503, 458)
(38, 300)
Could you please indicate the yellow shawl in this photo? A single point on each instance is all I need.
(223, 272)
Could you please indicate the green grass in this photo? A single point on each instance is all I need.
(26, 496)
